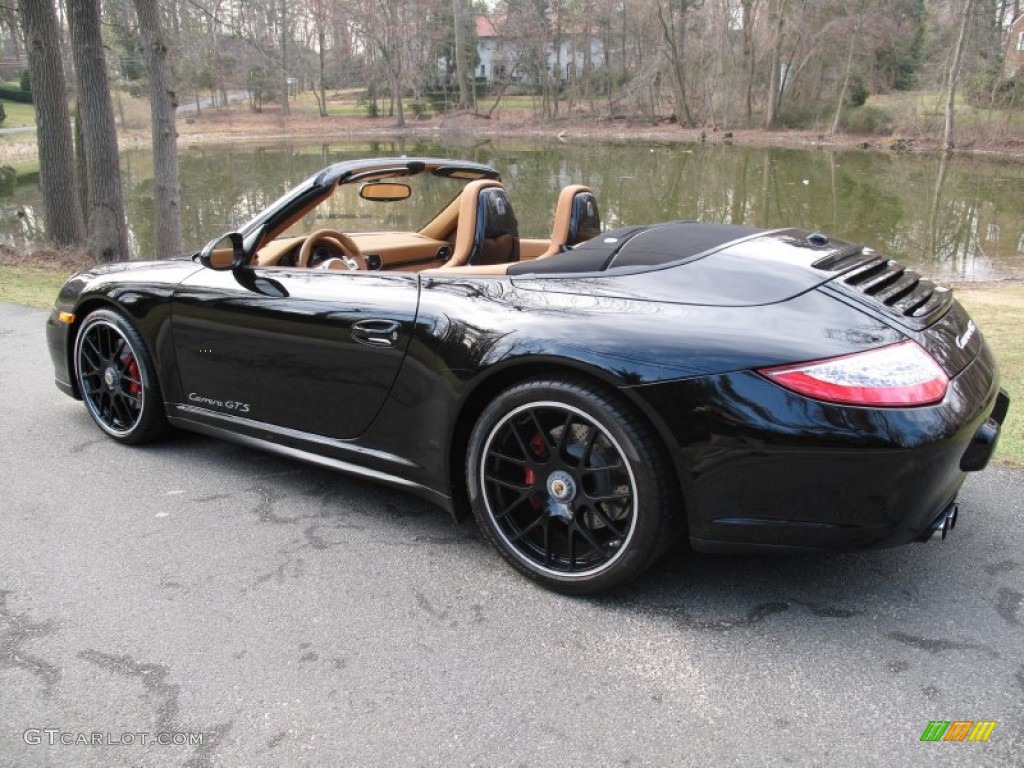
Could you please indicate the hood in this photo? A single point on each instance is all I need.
(126, 278)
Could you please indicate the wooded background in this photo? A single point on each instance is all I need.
(720, 64)
(709, 61)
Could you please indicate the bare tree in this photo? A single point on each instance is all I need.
(319, 12)
(672, 15)
(284, 33)
(749, 9)
(108, 231)
(64, 222)
(461, 12)
(383, 23)
(163, 105)
(954, 73)
(9, 19)
(854, 41)
(777, 19)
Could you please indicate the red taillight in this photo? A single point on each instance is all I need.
(898, 375)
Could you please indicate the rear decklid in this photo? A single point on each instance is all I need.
(725, 265)
(686, 262)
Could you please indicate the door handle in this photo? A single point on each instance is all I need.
(376, 333)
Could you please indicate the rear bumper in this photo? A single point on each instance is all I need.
(983, 444)
(764, 469)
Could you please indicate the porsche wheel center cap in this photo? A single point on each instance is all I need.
(110, 377)
(561, 487)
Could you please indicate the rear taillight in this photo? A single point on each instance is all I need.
(899, 375)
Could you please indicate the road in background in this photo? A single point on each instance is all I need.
(285, 615)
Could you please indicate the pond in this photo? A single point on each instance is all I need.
(957, 219)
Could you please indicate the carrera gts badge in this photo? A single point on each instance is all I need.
(228, 405)
(965, 337)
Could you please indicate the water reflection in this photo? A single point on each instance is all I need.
(955, 219)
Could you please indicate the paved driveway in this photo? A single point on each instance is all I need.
(283, 616)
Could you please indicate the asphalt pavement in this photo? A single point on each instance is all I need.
(253, 611)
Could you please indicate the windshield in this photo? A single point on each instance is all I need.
(347, 211)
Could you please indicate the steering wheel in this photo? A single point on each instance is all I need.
(332, 237)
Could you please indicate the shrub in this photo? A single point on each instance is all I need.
(8, 180)
(796, 117)
(25, 83)
(856, 92)
(986, 90)
(867, 120)
(439, 99)
(15, 94)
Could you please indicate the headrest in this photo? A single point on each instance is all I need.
(585, 222)
(497, 230)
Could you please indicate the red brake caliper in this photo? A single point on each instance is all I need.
(540, 450)
(133, 388)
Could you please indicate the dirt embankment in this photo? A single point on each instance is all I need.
(237, 125)
(212, 128)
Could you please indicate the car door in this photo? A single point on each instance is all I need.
(309, 350)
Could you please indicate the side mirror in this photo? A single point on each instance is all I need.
(225, 252)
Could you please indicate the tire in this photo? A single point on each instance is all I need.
(117, 379)
(570, 485)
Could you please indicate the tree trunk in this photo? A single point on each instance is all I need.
(674, 33)
(461, 73)
(749, 61)
(321, 41)
(398, 108)
(588, 55)
(775, 75)
(393, 58)
(849, 66)
(285, 106)
(557, 84)
(108, 231)
(81, 165)
(163, 106)
(954, 74)
(65, 224)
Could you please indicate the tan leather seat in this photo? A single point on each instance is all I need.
(576, 219)
(487, 232)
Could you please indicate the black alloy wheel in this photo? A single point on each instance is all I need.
(569, 485)
(116, 378)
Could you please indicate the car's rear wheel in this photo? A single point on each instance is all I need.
(117, 380)
(569, 484)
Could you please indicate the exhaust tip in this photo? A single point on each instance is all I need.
(946, 523)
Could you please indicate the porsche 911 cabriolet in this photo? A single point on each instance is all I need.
(590, 397)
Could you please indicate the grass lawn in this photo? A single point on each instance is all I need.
(998, 309)
(32, 286)
(924, 111)
(18, 115)
(349, 104)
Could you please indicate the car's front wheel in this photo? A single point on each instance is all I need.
(117, 379)
(570, 485)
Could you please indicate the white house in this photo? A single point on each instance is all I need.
(499, 53)
(1013, 63)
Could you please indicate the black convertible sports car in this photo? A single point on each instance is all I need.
(590, 396)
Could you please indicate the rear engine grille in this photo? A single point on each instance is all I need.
(888, 283)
